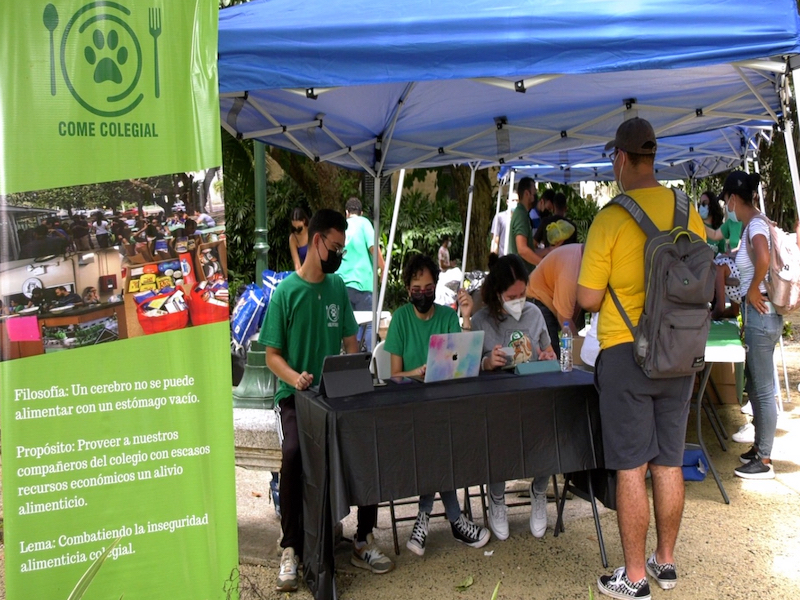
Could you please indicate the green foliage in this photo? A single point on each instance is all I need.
(421, 223)
(282, 197)
(238, 183)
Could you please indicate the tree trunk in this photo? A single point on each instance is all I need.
(482, 213)
(324, 184)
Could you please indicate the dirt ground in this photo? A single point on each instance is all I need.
(748, 549)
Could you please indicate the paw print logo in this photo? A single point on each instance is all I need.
(101, 58)
(106, 68)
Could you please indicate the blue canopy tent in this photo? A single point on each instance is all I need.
(384, 86)
(691, 156)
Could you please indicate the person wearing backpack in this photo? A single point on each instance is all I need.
(761, 323)
(643, 419)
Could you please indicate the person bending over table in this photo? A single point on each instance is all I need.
(407, 341)
(308, 318)
(509, 321)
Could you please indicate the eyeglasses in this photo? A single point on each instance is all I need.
(428, 290)
(612, 156)
(340, 251)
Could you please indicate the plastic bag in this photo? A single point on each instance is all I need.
(247, 315)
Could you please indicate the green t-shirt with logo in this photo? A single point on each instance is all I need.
(356, 268)
(307, 322)
(409, 336)
(520, 225)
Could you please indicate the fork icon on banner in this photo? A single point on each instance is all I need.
(155, 31)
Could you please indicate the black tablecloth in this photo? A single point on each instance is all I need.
(403, 440)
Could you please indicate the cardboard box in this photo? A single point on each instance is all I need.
(222, 251)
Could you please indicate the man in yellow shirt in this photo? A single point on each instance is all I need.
(644, 420)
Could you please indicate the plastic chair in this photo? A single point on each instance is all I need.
(381, 362)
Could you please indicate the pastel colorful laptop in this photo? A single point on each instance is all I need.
(454, 356)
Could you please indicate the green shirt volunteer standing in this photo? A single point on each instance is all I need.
(357, 267)
(308, 318)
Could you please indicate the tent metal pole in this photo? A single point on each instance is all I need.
(376, 251)
(760, 187)
(473, 167)
(499, 195)
(260, 167)
(508, 202)
(790, 150)
(390, 245)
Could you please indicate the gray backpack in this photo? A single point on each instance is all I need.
(670, 339)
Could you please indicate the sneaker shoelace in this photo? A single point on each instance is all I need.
(287, 565)
(620, 581)
(467, 528)
(419, 531)
(499, 510)
(540, 506)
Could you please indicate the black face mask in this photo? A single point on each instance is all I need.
(332, 263)
(422, 302)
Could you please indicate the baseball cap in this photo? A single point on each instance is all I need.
(634, 135)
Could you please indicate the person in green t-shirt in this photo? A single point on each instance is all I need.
(729, 234)
(520, 241)
(308, 318)
(356, 269)
(407, 341)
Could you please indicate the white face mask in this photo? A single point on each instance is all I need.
(732, 214)
(619, 179)
(512, 206)
(514, 307)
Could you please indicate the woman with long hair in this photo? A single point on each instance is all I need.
(761, 324)
(514, 332)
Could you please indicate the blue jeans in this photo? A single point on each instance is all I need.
(761, 333)
(362, 301)
(450, 501)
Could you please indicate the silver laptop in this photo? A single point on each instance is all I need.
(454, 356)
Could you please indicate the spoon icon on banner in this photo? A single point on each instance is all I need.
(50, 20)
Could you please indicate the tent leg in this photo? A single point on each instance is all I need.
(760, 187)
(790, 150)
(376, 250)
(508, 229)
(390, 245)
(473, 168)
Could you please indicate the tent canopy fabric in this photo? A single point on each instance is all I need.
(270, 44)
(693, 156)
(381, 86)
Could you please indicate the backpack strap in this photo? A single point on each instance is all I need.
(681, 215)
(621, 310)
(637, 214)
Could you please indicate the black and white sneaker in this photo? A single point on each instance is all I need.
(755, 469)
(664, 573)
(467, 532)
(619, 586)
(751, 454)
(419, 534)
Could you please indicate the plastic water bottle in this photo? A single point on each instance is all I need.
(566, 348)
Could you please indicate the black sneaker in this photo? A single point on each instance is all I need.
(419, 534)
(619, 586)
(751, 454)
(467, 532)
(665, 575)
(755, 469)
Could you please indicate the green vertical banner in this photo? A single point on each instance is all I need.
(129, 441)
(106, 90)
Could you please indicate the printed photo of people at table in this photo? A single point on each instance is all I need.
(91, 264)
